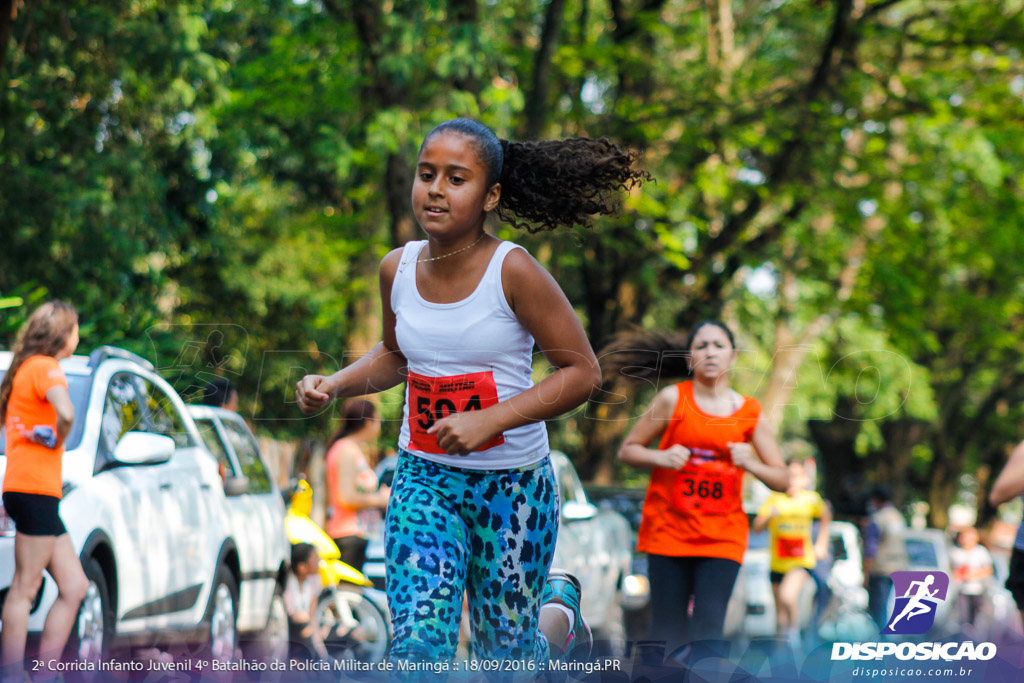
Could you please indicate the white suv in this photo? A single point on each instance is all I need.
(156, 522)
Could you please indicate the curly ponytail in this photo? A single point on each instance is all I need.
(551, 183)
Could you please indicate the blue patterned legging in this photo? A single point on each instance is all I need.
(489, 533)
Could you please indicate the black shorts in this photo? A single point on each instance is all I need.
(777, 577)
(34, 514)
(1015, 578)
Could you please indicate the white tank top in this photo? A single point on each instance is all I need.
(465, 355)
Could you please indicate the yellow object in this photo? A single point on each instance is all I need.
(301, 529)
(791, 542)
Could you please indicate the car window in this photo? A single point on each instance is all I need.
(921, 553)
(78, 387)
(838, 547)
(211, 437)
(248, 457)
(122, 413)
(164, 417)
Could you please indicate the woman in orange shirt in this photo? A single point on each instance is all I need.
(37, 414)
(354, 496)
(693, 526)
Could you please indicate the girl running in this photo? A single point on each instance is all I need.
(693, 527)
(790, 517)
(355, 499)
(474, 503)
(37, 414)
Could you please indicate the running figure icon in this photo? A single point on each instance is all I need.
(915, 606)
(918, 595)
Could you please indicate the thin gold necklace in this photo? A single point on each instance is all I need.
(437, 258)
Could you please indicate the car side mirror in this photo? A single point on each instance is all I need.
(143, 448)
(236, 486)
(578, 511)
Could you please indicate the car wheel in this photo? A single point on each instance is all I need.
(610, 639)
(221, 616)
(94, 627)
(355, 626)
(272, 642)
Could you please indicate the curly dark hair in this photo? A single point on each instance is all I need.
(648, 355)
(550, 183)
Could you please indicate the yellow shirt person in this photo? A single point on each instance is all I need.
(790, 518)
(790, 528)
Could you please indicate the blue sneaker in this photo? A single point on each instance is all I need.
(564, 589)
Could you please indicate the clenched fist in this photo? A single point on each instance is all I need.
(674, 458)
(742, 454)
(313, 393)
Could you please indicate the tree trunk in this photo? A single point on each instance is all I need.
(843, 480)
(945, 477)
(8, 13)
(398, 181)
(536, 109)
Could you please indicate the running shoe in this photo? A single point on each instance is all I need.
(564, 588)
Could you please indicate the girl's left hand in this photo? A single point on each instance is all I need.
(742, 455)
(463, 433)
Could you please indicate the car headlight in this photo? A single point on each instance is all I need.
(636, 592)
(636, 585)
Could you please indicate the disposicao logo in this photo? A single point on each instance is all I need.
(918, 595)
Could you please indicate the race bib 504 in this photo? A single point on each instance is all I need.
(435, 398)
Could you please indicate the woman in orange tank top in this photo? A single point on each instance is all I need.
(355, 498)
(693, 527)
(37, 415)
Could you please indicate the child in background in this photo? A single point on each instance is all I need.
(301, 593)
(972, 567)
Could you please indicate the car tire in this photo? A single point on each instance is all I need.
(610, 639)
(93, 630)
(221, 618)
(271, 644)
(376, 637)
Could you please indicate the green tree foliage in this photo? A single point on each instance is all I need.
(214, 182)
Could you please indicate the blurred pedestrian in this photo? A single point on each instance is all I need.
(790, 518)
(386, 466)
(220, 392)
(972, 567)
(885, 551)
(37, 415)
(1009, 485)
(698, 438)
(355, 499)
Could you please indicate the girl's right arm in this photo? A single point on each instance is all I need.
(381, 368)
(652, 425)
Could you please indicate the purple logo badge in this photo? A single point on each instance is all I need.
(918, 595)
